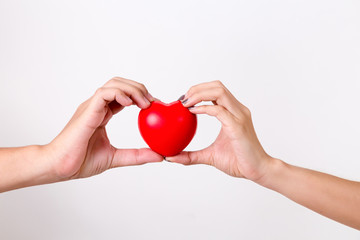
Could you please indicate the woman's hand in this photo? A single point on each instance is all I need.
(237, 150)
(83, 149)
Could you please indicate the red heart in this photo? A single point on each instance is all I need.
(167, 128)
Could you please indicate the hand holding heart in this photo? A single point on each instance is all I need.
(83, 149)
(237, 150)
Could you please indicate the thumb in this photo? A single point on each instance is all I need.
(128, 157)
(190, 158)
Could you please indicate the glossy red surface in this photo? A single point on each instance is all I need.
(167, 128)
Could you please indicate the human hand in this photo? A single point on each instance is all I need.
(83, 149)
(237, 150)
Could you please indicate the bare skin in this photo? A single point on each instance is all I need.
(238, 152)
(82, 149)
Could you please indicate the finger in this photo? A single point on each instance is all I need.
(217, 95)
(190, 158)
(201, 86)
(142, 87)
(129, 157)
(104, 96)
(223, 115)
(114, 82)
(131, 91)
(213, 91)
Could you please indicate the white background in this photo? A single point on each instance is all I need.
(295, 64)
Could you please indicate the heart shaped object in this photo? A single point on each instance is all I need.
(167, 128)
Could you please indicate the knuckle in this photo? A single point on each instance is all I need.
(221, 91)
(218, 82)
(192, 158)
(191, 91)
(99, 91)
(137, 156)
(247, 111)
(142, 86)
(111, 81)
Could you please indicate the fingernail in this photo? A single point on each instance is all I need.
(168, 159)
(181, 98)
(185, 101)
(192, 107)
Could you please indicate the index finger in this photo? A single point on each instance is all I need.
(116, 80)
(217, 93)
(135, 93)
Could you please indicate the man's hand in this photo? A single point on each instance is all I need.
(83, 149)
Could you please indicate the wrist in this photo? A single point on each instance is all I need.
(271, 173)
(44, 165)
(56, 170)
(49, 161)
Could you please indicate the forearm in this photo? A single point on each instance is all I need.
(24, 166)
(333, 197)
